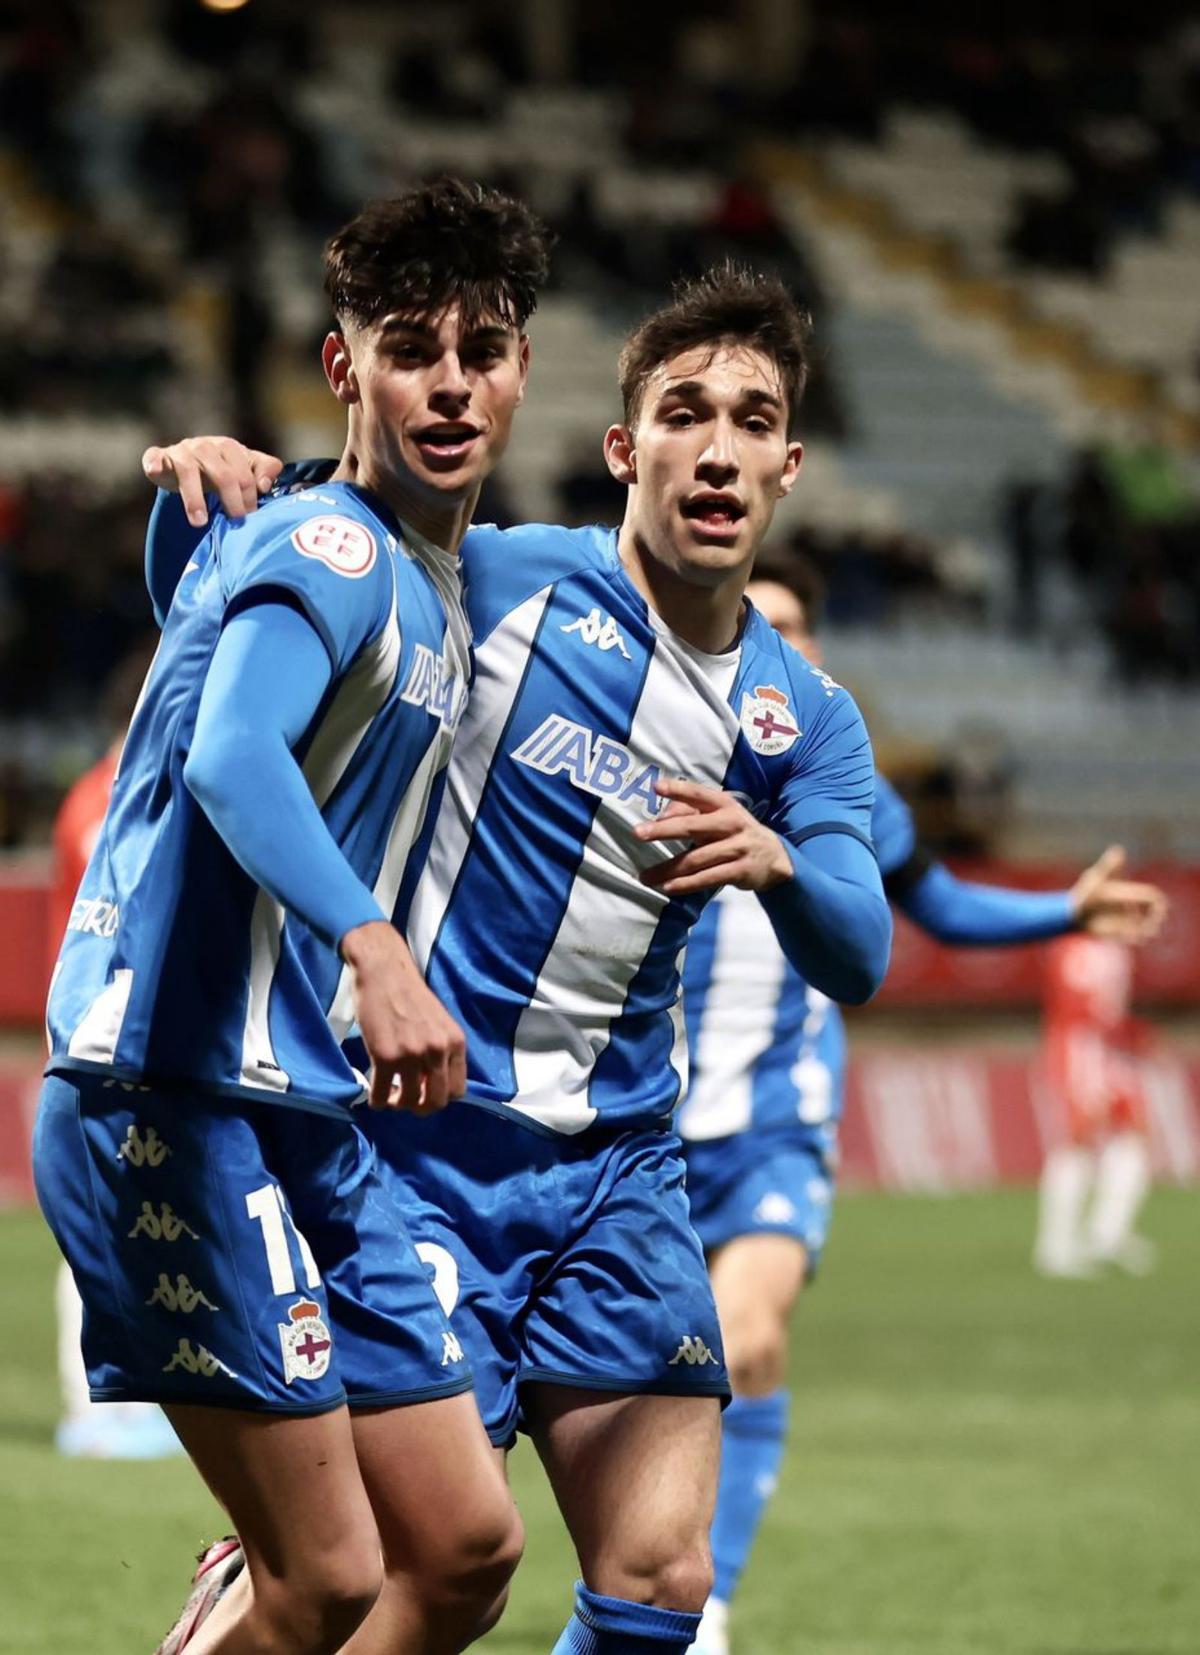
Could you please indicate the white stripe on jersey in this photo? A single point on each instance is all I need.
(96, 1034)
(501, 661)
(610, 917)
(739, 1019)
(359, 698)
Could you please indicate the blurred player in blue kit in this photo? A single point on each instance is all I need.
(240, 1259)
(564, 872)
(760, 1120)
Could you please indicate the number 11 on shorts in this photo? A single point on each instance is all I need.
(267, 1206)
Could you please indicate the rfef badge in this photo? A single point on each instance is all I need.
(767, 721)
(307, 1347)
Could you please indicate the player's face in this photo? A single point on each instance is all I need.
(707, 462)
(783, 610)
(435, 400)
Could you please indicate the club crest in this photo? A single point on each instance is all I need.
(305, 1341)
(767, 721)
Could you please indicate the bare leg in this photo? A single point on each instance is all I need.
(756, 1281)
(293, 1491)
(636, 1479)
(450, 1532)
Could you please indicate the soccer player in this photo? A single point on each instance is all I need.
(1098, 1115)
(566, 869)
(760, 1121)
(87, 1430)
(239, 1257)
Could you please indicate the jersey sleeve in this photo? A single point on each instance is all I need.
(830, 785)
(504, 567)
(330, 564)
(902, 860)
(170, 541)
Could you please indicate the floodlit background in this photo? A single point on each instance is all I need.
(995, 221)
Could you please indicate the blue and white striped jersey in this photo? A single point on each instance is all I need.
(766, 1049)
(176, 967)
(530, 919)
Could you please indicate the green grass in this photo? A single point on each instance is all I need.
(981, 1463)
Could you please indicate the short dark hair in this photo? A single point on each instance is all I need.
(800, 576)
(728, 304)
(435, 245)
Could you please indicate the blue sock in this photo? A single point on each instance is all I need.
(753, 1432)
(613, 1626)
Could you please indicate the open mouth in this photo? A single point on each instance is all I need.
(446, 445)
(716, 514)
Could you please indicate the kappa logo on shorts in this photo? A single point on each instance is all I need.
(452, 1351)
(304, 1338)
(198, 1361)
(341, 544)
(774, 1208)
(180, 1295)
(149, 1151)
(767, 721)
(693, 1351)
(164, 1225)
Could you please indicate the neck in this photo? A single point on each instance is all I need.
(445, 525)
(707, 617)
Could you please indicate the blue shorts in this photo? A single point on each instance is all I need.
(235, 1255)
(567, 1261)
(777, 1182)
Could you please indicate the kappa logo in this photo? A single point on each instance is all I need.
(693, 1351)
(602, 633)
(341, 544)
(304, 1339)
(198, 1361)
(596, 764)
(767, 721)
(180, 1295)
(452, 1351)
(775, 1208)
(430, 684)
(164, 1225)
(97, 916)
(149, 1151)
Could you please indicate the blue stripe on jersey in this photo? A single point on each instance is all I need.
(697, 974)
(527, 848)
(642, 1041)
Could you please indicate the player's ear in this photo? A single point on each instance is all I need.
(791, 468)
(339, 368)
(523, 365)
(619, 454)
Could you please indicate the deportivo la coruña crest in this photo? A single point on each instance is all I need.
(768, 722)
(305, 1342)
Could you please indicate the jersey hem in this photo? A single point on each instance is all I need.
(627, 1387)
(249, 1404)
(209, 1088)
(403, 1399)
(605, 1127)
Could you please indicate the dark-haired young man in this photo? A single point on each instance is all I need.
(239, 1257)
(567, 867)
(767, 1070)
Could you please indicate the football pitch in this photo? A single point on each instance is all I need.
(981, 1463)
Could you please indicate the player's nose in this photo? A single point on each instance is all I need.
(450, 381)
(720, 452)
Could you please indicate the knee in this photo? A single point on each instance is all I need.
(682, 1580)
(475, 1560)
(321, 1611)
(757, 1358)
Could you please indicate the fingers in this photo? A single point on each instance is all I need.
(1110, 862)
(696, 860)
(266, 468)
(237, 475)
(699, 794)
(379, 1089)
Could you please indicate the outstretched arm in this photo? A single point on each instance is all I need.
(969, 914)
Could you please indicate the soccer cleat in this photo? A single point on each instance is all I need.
(217, 1568)
(713, 1635)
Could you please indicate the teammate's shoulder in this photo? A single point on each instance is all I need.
(332, 524)
(811, 687)
(548, 546)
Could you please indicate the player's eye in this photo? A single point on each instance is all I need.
(681, 417)
(757, 424)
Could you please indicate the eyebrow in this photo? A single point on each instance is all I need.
(399, 324)
(697, 387)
